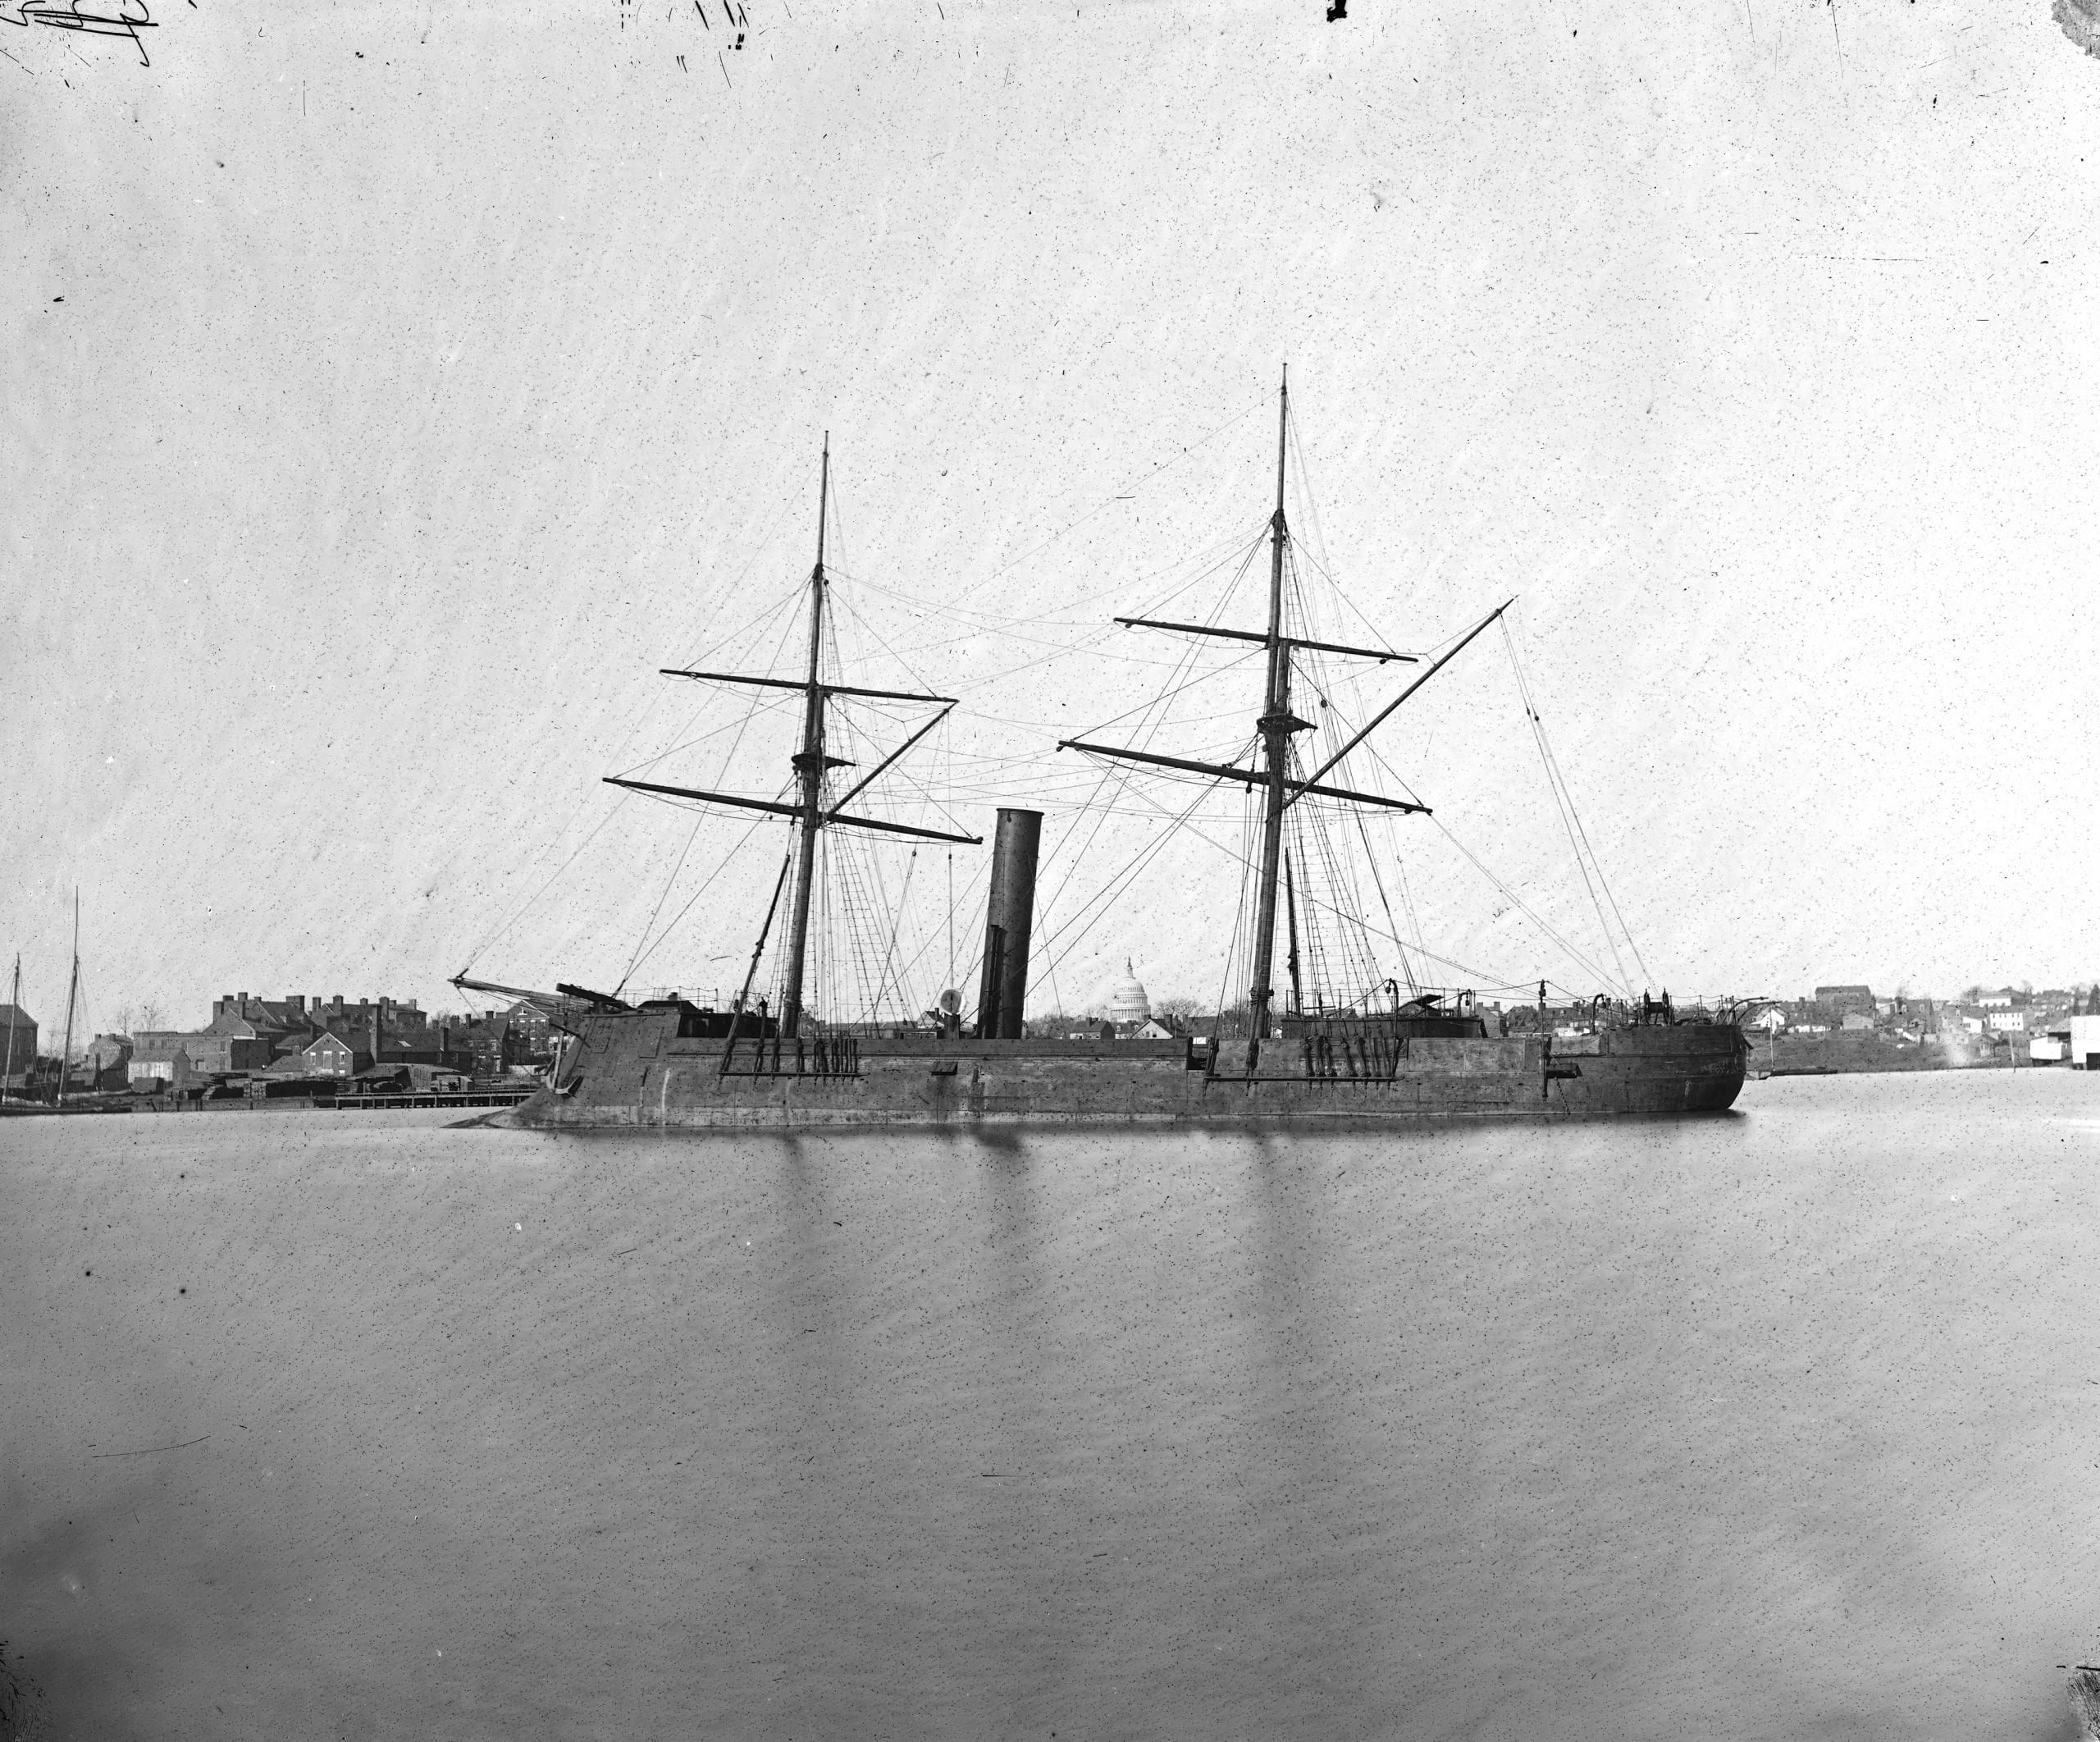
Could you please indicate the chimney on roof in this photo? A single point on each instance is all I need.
(297, 1000)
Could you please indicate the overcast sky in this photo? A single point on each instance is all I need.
(390, 391)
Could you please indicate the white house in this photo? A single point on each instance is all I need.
(2085, 1043)
(169, 1064)
(330, 1055)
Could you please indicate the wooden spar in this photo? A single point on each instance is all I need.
(1382, 655)
(870, 781)
(548, 998)
(72, 987)
(778, 809)
(775, 806)
(596, 1000)
(1276, 723)
(758, 949)
(829, 689)
(1385, 712)
(1232, 771)
(808, 765)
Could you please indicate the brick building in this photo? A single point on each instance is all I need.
(17, 1043)
(1835, 1002)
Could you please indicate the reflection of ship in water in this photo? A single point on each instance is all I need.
(1343, 1044)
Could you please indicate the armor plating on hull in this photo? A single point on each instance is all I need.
(632, 1070)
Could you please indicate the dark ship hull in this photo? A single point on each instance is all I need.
(629, 1069)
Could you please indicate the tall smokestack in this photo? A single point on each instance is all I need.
(1003, 989)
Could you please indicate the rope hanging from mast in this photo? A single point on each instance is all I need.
(1578, 837)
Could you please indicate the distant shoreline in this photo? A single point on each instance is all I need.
(1843, 1055)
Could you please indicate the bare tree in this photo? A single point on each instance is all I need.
(150, 1015)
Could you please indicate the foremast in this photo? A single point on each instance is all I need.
(72, 993)
(14, 1012)
(810, 813)
(810, 765)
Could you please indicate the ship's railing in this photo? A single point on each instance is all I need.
(1387, 1001)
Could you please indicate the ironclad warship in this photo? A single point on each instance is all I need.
(1372, 1058)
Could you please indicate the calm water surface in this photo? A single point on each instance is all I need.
(1783, 1424)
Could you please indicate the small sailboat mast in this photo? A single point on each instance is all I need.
(72, 990)
(14, 1010)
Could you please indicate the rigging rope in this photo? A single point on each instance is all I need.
(634, 966)
(699, 816)
(1242, 909)
(1143, 478)
(519, 911)
(1370, 859)
(889, 956)
(1578, 840)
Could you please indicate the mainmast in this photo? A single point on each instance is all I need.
(72, 987)
(809, 764)
(1276, 723)
(1280, 788)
